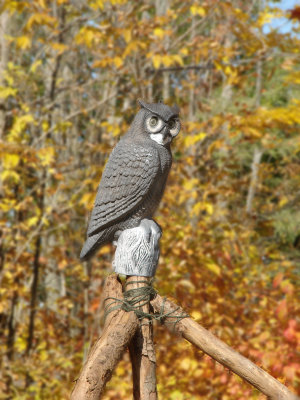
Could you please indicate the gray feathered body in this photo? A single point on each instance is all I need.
(131, 186)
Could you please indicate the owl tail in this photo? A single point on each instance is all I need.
(92, 244)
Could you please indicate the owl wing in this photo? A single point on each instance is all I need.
(127, 178)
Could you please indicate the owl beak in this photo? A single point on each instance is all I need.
(166, 134)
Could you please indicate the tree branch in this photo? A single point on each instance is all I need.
(219, 351)
(142, 353)
(119, 329)
(186, 68)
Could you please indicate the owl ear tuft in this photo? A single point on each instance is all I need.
(176, 109)
(142, 103)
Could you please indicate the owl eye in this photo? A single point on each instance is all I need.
(174, 125)
(154, 124)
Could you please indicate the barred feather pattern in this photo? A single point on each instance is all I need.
(131, 188)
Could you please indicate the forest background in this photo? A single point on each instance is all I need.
(71, 72)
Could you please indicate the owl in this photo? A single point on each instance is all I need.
(134, 178)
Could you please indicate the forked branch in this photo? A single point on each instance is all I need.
(119, 329)
(142, 352)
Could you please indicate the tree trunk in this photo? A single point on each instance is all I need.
(254, 179)
(142, 353)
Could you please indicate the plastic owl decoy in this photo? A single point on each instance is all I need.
(134, 178)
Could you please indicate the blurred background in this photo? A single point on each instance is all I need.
(71, 72)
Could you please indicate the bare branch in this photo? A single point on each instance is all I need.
(221, 352)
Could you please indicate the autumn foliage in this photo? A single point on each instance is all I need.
(70, 76)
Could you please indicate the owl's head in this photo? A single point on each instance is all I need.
(160, 121)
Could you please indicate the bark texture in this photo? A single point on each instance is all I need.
(119, 329)
(219, 351)
(142, 353)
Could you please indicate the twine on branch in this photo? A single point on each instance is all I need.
(135, 299)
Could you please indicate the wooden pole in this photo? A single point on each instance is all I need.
(219, 351)
(119, 329)
(142, 353)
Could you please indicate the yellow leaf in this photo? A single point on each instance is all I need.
(40, 19)
(178, 59)
(105, 250)
(10, 161)
(59, 47)
(120, 371)
(127, 35)
(32, 221)
(45, 221)
(46, 155)
(214, 268)
(265, 18)
(283, 201)
(35, 65)
(197, 208)
(156, 61)
(87, 200)
(15, 5)
(97, 4)
(116, 130)
(191, 184)
(198, 10)
(8, 174)
(43, 355)
(167, 60)
(7, 205)
(209, 208)
(159, 32)
(218, 66)
(86, 35)
(63, 126)
(23, 42)
(62, 264)
(21, 344)
(19, 126)
(196, 315)
(184, 51)
(228, 70)
(45, 126)
(6, 92)
(253, 132)
(185, 365)
(42, 3)
(192, 139)
(118, 61)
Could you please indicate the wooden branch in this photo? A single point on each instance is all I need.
(142, 353)
(119, 329)
(220, 352)
(185, 68)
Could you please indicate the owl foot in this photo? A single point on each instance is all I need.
(151, 228)
(137, 250)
